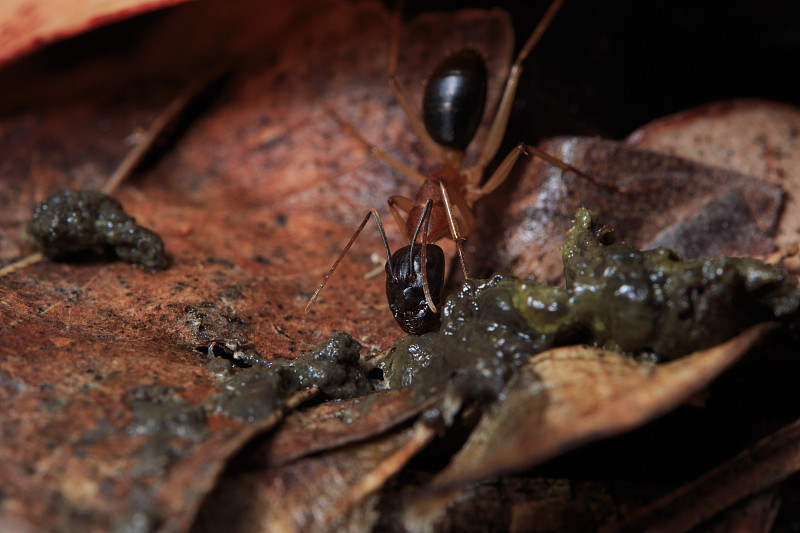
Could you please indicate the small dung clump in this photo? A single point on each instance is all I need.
(76, 220)
(260, 391)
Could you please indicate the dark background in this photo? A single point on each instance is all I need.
(603, 68)
(606, 68)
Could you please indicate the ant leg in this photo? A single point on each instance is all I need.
(498, 127)
(416, 124)
(461, 204)
(501, 172)
(423, 258)
(397, 203)
(451, 221)
(544, 156)
(377, 152)
(327, 276)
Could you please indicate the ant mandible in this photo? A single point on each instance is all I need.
(452, 104)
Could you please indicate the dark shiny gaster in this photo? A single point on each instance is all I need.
(404, 290)
(454, 98)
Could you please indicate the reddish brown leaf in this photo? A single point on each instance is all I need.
(29, 24)
(71, 435)
(242, 204)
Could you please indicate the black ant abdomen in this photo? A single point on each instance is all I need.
(454, 98)
(405, 291)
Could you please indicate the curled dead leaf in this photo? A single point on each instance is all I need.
(26, 25)
(566, 397)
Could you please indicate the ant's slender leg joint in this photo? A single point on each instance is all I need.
(503, 170)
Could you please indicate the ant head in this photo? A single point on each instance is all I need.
(405, 292)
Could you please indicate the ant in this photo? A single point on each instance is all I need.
(452, 107)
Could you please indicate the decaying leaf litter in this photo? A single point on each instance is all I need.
(134, 347)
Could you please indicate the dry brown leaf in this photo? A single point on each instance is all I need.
(693, 208)
(750, 136)
(754, 515)
(755, 469)
(26, 25)
(569, 396)
(327, 492)
(334, 424)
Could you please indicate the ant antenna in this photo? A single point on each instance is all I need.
(425, 287)
(346, 249)
(425, 211)
(424, 218)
